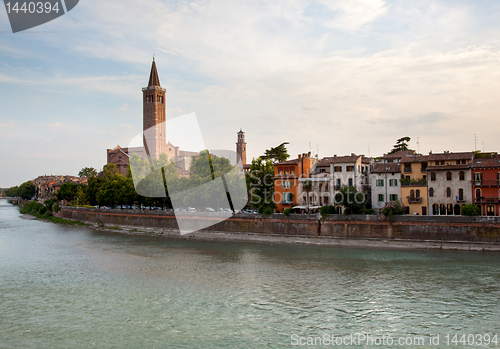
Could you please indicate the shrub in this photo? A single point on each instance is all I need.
(55, 207)
(47, 214)
(287, 211)
(325, 210)
(42, 210)
(470, 210)
(391, 208)
(267, 210)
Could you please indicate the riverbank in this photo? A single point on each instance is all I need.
(337, 231)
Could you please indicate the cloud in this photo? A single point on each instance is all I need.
(124, 107)
(6, 125)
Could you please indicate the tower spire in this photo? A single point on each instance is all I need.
(154, 80)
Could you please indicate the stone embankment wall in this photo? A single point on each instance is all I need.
(437, 228)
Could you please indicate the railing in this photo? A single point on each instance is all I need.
(407, 170)
(485, 200)
(461, 199)
(485, 183)
(414, 200)
(413, 183)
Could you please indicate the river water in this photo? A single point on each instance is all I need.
(72, 287)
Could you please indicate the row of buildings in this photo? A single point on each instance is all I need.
(433, 184)
(47, 186)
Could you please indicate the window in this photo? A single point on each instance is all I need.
(326, 186)
(442, 162)
(448, 192)
(338, 183)
(478, 176)
(412, 193)
(461, 194)
(322, 170)
(464, 162)
(286, 184)
(380, 183)
(287, 198)
(461, 175)
(337, 168)
(393, 182)
(407, 168)
(349, 168)
(393, 197)
(458, 162)
(380, 197)
(417, 193)
(350, 182)
(433, 176)
(448, 176)
(431, 192)
(478, 193)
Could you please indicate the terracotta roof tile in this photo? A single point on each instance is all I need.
(390, 167)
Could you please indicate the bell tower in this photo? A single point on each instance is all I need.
(154, 115)
(241, 148)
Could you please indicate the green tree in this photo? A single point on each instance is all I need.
(470, 210)
(276, 154)
(68, 191)
(352, 200)
(88, 172)
(27, 190)
(260, 185)
(401, 144)
(12, 192)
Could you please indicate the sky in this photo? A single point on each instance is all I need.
(330, 77)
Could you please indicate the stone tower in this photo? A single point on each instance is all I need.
(154, 116)
(241, 148)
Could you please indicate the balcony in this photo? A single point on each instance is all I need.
(407, 170)
(461, 199)
(414, 200)
(485, 200)
(413, 183)
(486, 183)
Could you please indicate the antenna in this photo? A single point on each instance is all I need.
(418, 145)
(475, 142)
(369, 151)
(317, 151)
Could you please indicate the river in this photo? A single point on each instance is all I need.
(72, 287)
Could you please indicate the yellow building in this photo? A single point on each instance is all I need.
(414, 184)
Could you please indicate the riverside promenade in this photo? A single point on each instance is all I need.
(406, 232)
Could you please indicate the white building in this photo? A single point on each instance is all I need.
(385, 183)
(332, 173)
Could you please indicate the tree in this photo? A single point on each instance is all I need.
(27, 190)
(307, 186)
(68, 191)
(470, 210)
(276, 154)
(352, 200)
(401, 144)
(260, 185)
(88, 172)
(12, 192)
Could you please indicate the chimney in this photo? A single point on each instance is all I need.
(299, 156)
(309, 154)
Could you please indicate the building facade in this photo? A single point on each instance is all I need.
(486, 183)
(449, 182)
(414, 184)
(385, 183)
(286, 180)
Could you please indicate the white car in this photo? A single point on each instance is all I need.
(209, 209)
(191, 209)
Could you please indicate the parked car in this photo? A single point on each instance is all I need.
(191, 209)
(209, 209)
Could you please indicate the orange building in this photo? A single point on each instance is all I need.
(286, 180)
